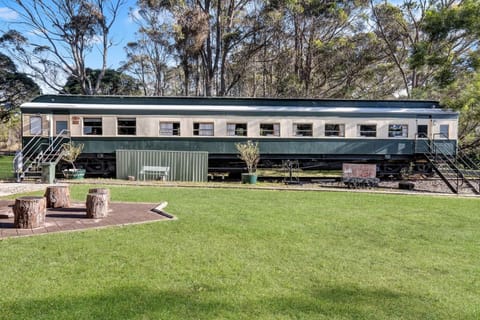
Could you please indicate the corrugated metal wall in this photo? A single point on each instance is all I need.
(184, 165)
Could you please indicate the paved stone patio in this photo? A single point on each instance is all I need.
(74, 218)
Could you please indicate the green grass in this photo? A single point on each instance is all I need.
(6, 167)
(251, 254)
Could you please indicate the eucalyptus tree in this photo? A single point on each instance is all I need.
(210, 39)
(452, 50)
(149, 54)
(313, 50)
(56, 37)
(238, 30)
(451, 47)
(170, 33)
(15, 88)
(414, 38)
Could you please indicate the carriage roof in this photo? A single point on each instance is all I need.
(234, 106)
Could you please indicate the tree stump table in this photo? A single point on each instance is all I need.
(101, 190)
(97, 205)
(29, 212)
(58, 197)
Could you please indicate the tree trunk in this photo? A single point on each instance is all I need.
(97, 205)
(58, 197)
(29, 212)
(186, 72)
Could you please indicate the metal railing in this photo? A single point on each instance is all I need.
(36, 152)
(51, 154)
(451, 164)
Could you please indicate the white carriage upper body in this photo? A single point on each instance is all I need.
(147, 114)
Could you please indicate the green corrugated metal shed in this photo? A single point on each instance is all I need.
(184, 165)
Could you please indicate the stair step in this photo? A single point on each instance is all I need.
(33, 173)
(457, 171)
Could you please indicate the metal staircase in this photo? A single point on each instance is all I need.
(454, 167)
(38, 152)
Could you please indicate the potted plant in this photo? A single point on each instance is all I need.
(250, 153)
(71, 151)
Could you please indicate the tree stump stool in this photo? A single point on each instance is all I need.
(97, 205)
(101, 190)
(29, 212)
(58, 197)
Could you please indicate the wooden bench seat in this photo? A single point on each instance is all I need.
(161, 172)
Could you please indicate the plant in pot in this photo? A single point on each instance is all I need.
(71, 151)
(250, 153)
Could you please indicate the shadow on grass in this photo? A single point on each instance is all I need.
(135, 302)
(118, 303)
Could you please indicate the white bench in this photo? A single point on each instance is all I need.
(162, 172)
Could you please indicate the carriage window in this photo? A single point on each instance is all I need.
(444, 131)
(270, 129)
(303, 129)
(60, 125)
(203, 129)
(367, 130)
(237, 129)
(92, 126)
(397, 131)
(334, 130)
(169, 128)
(35, 125)
(127, 126)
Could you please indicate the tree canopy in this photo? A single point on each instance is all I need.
(15, 88)
(113, 83)
(57, 37)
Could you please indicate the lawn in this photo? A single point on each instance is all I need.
(6, 167)
(254, 254)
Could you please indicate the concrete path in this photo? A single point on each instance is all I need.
(8, 188)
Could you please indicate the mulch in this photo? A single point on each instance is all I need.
(74, 218)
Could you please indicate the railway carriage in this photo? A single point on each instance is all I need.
(319, 133)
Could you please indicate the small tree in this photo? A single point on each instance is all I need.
(71, 151)
(250, 153)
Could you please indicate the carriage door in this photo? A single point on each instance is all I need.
(422, 131)
(421, 138)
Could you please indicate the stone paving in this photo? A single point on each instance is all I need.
(74, 218)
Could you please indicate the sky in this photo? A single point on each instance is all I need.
(122, 32)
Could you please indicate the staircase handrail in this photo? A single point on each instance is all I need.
(26, 150)
(463, 157)
(450, 158)
(55, 144)
(424, 140)
(435, 152)
(469, 162)
(460, 158)
(37, 151)
(469, 167)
